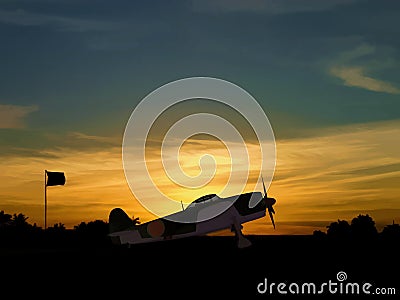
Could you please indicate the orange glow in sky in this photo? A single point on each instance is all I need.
(335, 174)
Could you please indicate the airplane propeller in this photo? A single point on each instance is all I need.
(269, 202)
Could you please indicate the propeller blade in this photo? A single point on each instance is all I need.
(265, 191)
(269, 202)
(272, 217)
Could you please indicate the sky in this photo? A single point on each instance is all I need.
(326, 73)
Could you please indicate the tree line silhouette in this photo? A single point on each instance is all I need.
(361, 229)
(15, 230)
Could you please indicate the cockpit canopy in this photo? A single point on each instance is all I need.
(203, 199)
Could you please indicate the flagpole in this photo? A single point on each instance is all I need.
(45, 201)
(50, 179)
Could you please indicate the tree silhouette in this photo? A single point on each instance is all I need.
(363, 227)
(15, 229)
(339, 230)
(80, 227)
(391, 232)
(5, 219)
(93, 227)
(319, 234)
(19, 221)
(58, 227)
(98, 227)
(93, 232)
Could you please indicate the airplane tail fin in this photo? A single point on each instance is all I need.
(118, 220)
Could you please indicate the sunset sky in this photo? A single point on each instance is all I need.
(326, 73)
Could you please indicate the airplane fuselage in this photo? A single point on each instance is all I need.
(232, 212)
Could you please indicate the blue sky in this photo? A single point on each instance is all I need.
(84, 65)
(73, 71)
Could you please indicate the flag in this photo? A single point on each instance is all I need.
(55, 178)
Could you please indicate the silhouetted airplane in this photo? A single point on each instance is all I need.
(235, 211)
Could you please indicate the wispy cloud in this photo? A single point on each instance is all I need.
(101, 139)
(25, 18)
(13, 116)
(343, 172)
(362, 50)
(347, 67)
(355, 76)
(265, 6)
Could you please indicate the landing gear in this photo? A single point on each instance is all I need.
(242, 242)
